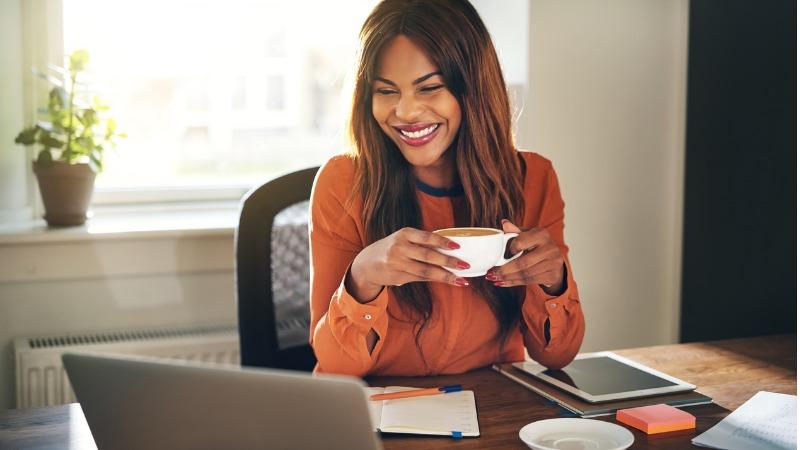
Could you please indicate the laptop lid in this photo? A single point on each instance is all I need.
(136, 403)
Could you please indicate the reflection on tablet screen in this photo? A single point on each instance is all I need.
(600, 376)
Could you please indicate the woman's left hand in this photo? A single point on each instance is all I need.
(541, 263)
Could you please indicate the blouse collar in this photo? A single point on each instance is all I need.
(440, 192)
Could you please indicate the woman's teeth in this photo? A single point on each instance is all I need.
(420, 133)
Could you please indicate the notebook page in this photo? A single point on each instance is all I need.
(768, 421)
(375, 407)
(430, 414)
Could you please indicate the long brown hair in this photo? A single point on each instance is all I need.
(488, 167)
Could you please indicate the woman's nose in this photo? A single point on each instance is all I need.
(408, 108)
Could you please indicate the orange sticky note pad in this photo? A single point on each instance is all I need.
(656, 418)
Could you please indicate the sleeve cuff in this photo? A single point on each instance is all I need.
(365, 316)
(554, 303)
(539, 304)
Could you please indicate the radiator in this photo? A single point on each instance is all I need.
(42, 381)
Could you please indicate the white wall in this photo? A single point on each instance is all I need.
(606, 105)
(13, 182)
(77, 285)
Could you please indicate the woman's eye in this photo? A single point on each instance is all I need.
(384, 91)
(432, 88)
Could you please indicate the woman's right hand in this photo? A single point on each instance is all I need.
(404, 256)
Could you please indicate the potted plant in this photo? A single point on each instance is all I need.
(72, 141)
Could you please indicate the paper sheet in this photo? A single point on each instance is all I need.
(768, 421)
(431, 414)
(375, 408)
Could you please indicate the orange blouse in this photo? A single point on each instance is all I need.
(460, 334)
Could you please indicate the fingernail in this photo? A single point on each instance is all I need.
(499, 283)
(491, 277)
(463, 265)
(453, 245)
(462, 282)
(504, 221)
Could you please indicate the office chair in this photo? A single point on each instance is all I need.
(272, 274)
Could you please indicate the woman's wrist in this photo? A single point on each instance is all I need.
(358, 287)
(557, 289)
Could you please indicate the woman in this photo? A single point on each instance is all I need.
(432, 148)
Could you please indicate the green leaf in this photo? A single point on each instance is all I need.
(27, 136)
(49, 141)
(61, 120)
(78, 147)
(59, 99)
(111, 126)
(89, 117)
(77, 125)
(96, 161)
(78, 61)
(44, 157)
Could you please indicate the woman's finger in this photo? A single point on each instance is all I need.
(526, 261)
(429, 272)
(531, 274)
(509, 227)
(428, 239)
(549, 277)
(431, 256)
(528, 240)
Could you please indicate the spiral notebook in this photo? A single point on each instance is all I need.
(452, 414)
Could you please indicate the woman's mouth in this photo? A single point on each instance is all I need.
(418, 136)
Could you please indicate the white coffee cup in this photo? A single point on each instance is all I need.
(481, 248)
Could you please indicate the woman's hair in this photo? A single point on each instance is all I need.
(454, 37)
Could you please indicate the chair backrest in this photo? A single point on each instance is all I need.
(272, 293)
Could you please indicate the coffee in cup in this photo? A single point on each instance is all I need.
(481, 248)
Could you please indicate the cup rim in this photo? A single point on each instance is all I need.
(498, 231)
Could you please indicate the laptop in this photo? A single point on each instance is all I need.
(148, 403)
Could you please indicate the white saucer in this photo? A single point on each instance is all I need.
(575, 434)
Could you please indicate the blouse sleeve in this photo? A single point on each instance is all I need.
(339, 323)
(553, 326)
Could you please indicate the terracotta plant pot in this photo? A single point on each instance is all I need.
(66, 191)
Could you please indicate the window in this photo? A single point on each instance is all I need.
(217, 94)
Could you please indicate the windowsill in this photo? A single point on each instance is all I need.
(132, 222)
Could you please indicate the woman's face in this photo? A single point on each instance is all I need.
(412, 105)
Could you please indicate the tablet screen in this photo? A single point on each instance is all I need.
(604, 375)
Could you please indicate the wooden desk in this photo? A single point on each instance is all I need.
(729, 371)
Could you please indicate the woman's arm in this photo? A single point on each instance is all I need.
(553, 326)
(344, 331)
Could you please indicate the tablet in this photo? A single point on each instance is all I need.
(606, 376)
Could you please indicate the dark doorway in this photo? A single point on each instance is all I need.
(739, 248)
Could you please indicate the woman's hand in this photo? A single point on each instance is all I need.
(402, 257)
(542, 262)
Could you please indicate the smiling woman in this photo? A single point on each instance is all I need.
(416, 111)
(431, 149)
